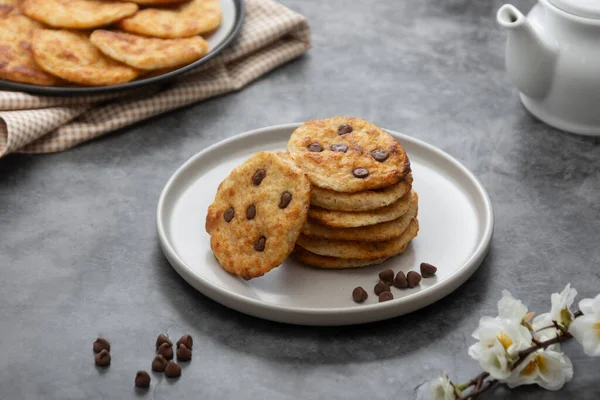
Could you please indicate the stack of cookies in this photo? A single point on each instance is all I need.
(362, 206)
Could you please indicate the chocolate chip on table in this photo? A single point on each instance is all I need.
(259, 245)
(172, 370)
(361, 173)
(385, 296)
(400, 281)
(413, 278)
(342, 148)
(258, 176)
(344, 129)
(101, 344)
(162, 339)
(166, 350)
(380, 288)
(380, 155)
(184, 353)
(359, 294)
(142, 379)
(228, 214)
(387, 276)
(251, 212)
(103, 358)
(428, 270)
(187, 340)
(159, 363)
(286, 197)
(315, 148)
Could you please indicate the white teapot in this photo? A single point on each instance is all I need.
(553, 57)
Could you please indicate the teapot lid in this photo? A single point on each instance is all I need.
(581, 8)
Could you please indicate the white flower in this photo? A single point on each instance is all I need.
(586, 329)
(511, 308)
(547, 368)
(442, 389)
(500, 341)
(559, 312)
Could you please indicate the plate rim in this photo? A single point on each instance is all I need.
(83, 91)
(411, 303)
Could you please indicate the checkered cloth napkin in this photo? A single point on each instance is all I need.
(271, 35)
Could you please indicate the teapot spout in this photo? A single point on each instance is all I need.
(531, 53)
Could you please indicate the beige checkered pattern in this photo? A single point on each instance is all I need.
(271, 35)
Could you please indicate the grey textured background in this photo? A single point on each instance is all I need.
(79, 256)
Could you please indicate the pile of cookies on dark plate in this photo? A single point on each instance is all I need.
(340, 197)
(101, 42)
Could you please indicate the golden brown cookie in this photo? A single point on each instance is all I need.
(195, 17)
(149, 53)
(257, 214)
(360, 201)
(156, 2)
(371, 233)
(78, 14)
(8, 8)
(348, 154)
(71, 56)
(315, 260)
(344, 219)
(359, 250)
(16, 60)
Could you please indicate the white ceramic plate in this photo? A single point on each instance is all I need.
(456, 225)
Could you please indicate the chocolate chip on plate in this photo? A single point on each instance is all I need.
(258, 176)
(166, 350)
(187, 340)
(385, 296)
(159, 363)
(387, 276)
(260, 243)
(413, 278)
(342, 148)
(286, 198)
(344, 129)
(380, 155)
(380, 288)
(184, 353)
(142, 379)
(228, 214)
(428, 270)
(172, 370)
(251, 212)
(360, 173)
(315, 148)
(400, 281)
(359, 294)
(162, 339)
(103, 358)
(101, 344)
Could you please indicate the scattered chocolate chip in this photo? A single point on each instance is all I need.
(380, 155)
(103, 358)
(315, 148)
(142, 379)
(258, 176)
(344, 129)
(259, 245)
(413, 278)
(359, 294)
(166, 350)
(162, 339)
(428, 270)
(400, 282)
(187, 340)
(385, 296)
(172, 370)
(228, 214)
(101, 344)
(360, 173)
(387, 276)
(159, 363)
(342, 148)
(286, 197)
(184, 353)
(380, 288)
(250, 212)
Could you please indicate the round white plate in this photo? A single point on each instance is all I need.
(456, 224)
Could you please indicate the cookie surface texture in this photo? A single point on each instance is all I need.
(348, 154)
(318, 261)
(257, 214)
(8, 8)
(188, 19)
(149, 53)
(78, 14)
(73, 57)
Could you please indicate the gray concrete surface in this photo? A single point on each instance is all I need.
(79, 255)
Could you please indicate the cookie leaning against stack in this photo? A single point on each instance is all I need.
(363, 209)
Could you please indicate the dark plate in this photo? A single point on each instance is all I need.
(70, 91)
